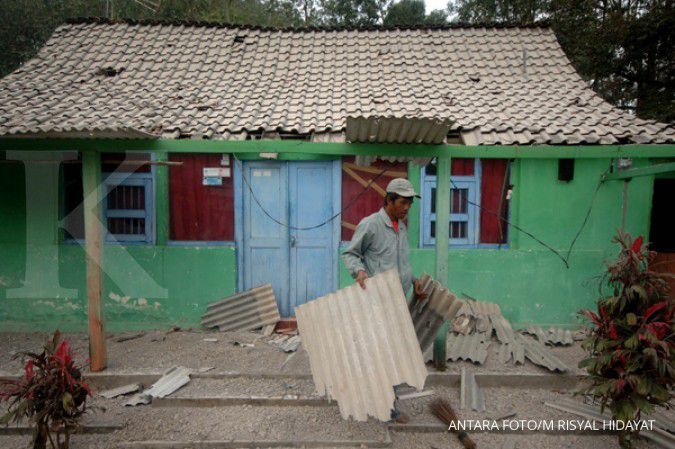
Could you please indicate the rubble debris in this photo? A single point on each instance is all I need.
(210, 340)
(463, 324)
(287, 343)
(268, 330)
(205, 369)
(242, 344)
(429, 314)
(483, 324)
(471, 395)
(339, 335)
(247, 310)
(416, 395)
(123, 338)
(553, 336)
(119, 391)
(172, 379)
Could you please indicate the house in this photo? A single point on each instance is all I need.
(215, 143)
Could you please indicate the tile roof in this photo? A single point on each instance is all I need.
(493, 85)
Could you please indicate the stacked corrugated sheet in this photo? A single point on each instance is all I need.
(360, 344)
(429, 314)
(247, 310)
(486, 318)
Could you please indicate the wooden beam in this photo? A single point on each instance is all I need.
(377, 171)
(284, 147)
(640, 171)
(443, 166)
(91, 185)
(363, 182)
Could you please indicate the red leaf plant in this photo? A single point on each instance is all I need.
(631, 339)
(51, 393)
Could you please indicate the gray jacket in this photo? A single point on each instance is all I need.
(376, 247)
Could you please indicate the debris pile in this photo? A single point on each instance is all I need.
(477, 322)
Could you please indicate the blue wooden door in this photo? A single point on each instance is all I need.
(300, 264)
(312, 188)
(265, 241)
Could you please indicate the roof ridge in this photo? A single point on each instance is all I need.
(164, 22)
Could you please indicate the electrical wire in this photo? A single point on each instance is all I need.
(307, 228)
(565, 259)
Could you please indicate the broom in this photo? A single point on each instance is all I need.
(442, 410)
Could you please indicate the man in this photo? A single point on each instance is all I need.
(380, 243)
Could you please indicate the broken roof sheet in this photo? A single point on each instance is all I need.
(246, 310)
(493, 85)
(429, 314)
(360, 344)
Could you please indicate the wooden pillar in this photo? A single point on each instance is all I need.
(91, 186)
(162, 199)
(442, 243)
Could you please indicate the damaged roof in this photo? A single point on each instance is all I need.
(485, 85)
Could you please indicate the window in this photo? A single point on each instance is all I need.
(127, 207)
(464, 191)
(478, 191)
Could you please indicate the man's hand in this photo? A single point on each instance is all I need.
(417, 288)
(361, 279)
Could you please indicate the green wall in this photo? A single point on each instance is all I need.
(161, 286)
(531, 284)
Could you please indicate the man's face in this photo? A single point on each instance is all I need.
(400, 207)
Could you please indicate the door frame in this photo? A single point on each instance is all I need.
(237, 171)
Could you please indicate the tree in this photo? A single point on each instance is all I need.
(405, 12)
(412, 12)
(353, 12)
(624, 48)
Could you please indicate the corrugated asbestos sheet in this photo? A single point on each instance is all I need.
(244, 311)
(429, 314)
(471, 396)
(360, 344)
(471, 347)
(538, 354)
(660, 433)
(173, 379)
(384, 129)
(553, 336)
(512, 346)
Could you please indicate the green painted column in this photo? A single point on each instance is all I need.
(514, 204)
(442, 242)
(162, 199)
(414, 213)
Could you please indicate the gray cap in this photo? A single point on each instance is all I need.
(402, 187)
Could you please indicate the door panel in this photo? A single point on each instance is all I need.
(266, 242)
(312, 251)
(301, 265)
